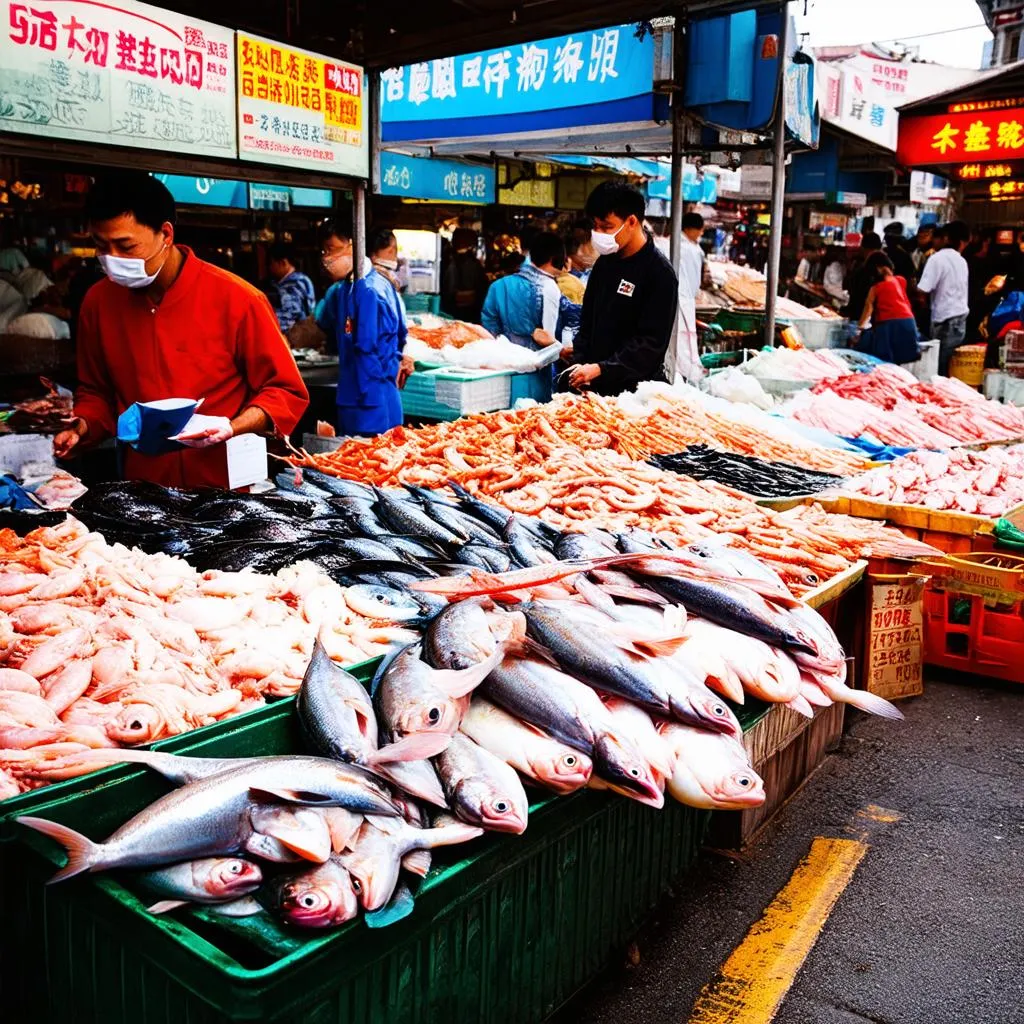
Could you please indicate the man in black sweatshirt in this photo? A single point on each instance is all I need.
(629, 307)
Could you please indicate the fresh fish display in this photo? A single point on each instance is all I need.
(312, 897)
(710, 771)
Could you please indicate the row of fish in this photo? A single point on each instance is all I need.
(595, 670)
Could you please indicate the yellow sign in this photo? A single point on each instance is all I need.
(300, 109)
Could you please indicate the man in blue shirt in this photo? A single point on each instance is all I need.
(290, 291)
(524, 306)
(365, 319)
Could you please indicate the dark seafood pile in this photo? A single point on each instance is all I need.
(756, 477)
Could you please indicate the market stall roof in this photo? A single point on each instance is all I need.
(996, 84)
(974, 125)
(382, 35)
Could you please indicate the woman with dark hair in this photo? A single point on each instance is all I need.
(893, 333)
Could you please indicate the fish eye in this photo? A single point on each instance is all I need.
(308, 901)
(743, 780)
(236, 867)
(501, 806)
(635, 772)
(718, 710)
(434, 716)
(357, 886)
(570, 761)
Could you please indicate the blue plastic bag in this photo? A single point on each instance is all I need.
(147, 426)
(1008, 313)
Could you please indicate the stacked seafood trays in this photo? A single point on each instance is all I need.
(519, 655)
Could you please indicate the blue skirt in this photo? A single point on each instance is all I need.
(895, 341)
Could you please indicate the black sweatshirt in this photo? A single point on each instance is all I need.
(629, 309)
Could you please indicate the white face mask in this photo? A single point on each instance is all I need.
(606, 242)
(130, 271)
(387, 264)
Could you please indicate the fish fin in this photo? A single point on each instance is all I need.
(463, 681)
(290, 796)
(871, 703)
(801, 706)
(399, 906)
(389, 826)
(82, 852)
(303, 843)
(414, 747)
(527, 647)
(244, 906)
(417, 862)
(728, 686)
(165, 905)
(448, 835)
(814, 694)
(662, 647)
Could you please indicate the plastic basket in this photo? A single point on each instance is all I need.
(422, 302)
(968, 364)
(820, 333)
(504, 929)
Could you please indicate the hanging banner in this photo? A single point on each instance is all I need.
(120, 73)
(525, 87)
(300, 109)
(444, 180)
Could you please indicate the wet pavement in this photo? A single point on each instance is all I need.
(931, 928)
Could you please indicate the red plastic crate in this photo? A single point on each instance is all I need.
(961, 632)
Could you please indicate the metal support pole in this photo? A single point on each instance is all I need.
(676, 233)
(358, 229)
(778, 184)
(373, 106)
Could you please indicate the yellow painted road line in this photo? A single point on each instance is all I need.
(756, 977)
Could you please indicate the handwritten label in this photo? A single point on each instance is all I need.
(300, 109)
(122, 73)
(895, 652)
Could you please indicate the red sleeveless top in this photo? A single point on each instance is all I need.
(891, 301)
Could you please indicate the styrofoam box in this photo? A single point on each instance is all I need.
(995, 384)
(928, 365)
(1013, 391)
(17, 450)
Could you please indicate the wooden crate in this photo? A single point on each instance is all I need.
(785, 750)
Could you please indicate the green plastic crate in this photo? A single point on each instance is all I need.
(505, 929)
(422, 302)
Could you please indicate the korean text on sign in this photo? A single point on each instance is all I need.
(299, 108)
(124, 73)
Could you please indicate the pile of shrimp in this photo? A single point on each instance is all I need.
(582, 491)
(103, 646)
(431, 455)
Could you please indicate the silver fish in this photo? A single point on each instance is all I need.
(563, 707)
(414, 698)
(212, 816)
(382, 843)
(481, 788)
(318, 897)
(208, 880)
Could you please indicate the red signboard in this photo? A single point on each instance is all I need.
(966, 138)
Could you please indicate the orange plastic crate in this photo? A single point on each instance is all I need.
(961, 632)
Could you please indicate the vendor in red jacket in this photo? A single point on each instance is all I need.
(166, 324)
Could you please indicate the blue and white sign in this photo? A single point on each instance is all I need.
(205, 191)
(696, 188)
(281, 198)
(528, 87)
(446, 180)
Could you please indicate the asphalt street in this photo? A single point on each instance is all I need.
(931, 928)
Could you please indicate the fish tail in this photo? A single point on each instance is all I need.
(871, 703)
(801, 705)
(82, 852)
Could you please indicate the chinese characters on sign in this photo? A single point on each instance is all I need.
(300, 109)
(975, 172)
(889, 77)
(422, 178)
(121, 72)
(894, 649)
(575, 70)
(965, 138)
